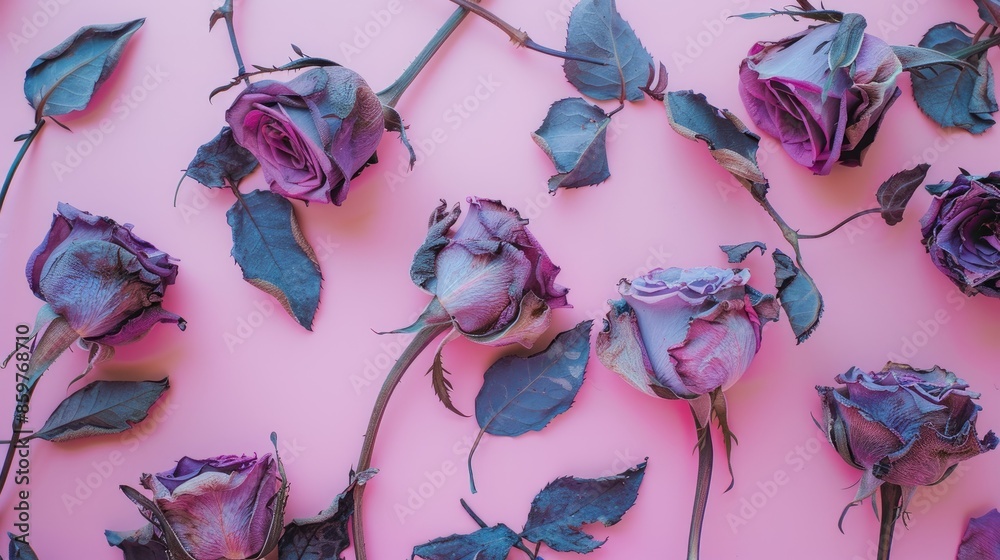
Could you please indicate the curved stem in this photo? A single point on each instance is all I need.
(841, 224)
(705, 460)
(390, 95)
(892, 495)
(17, 159)
(420, 341)
(520, 38)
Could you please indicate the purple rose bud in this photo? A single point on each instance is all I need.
(982, 538)
(491, 276)
(782, 85)
(962, 232)
(102, 278)
(223, 507)
(902, 425)
(682, 333)
(311, 135)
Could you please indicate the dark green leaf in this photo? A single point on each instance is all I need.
(274, 255)
(919, 58)
(952, 96)
(489, 543)
(141, 544)
(846, 42)
(566, 504)
(20, 549)
(221, 162)
(989, 11)
(799, 296)
(597, 30)
(739, 253)
(732, 145)
(102, 407)
(326, 535)
(520, 395)
(893, 194)
(65, 78)
(573, 135)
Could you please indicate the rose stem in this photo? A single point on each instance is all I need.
(17, 160)
(705, 460)
(390, 95)
(520, 38)
(977, 48)
(892, 495)
(420, 341)
(226, 11)
(840, 225)
(482, 524)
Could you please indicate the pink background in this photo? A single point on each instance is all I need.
(667, 204)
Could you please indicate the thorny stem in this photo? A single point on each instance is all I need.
(705, 460)
(226, 11)
(520, 38)
(791, 235)
(482, 524)
(420, 341)
(846, 221)
(891, 497)
(390, 95)
(17, 160)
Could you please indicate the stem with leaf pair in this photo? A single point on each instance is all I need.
(482, 525)
(420, 341)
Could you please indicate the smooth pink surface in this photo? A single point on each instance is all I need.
(667, 204)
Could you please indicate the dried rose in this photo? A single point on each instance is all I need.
(313, 134)
(228, 507)
(784, 88)
(962, 232)
(902, 426)
(105, 281)
(683, 333)
(982, 538)
(493, 280)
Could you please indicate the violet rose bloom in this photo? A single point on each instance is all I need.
(492, 278)
(782, 84)
(684, 333)
(103, 279)
(903, 426)
(313, 134)
(982, 538)
(222, 507)
(961, 232)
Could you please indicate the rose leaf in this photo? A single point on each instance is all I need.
(325, 535)
(102, 407)
(20, 549)
(799, 296)
(141, 544)
(560, 510)
(525, 394)
(732, 145)
(893, 194)
(65, 78)
(739, 253)
(221, 162)
(488, 543)
(274, 255)
(573, 135)
(955, 96)
(597, 30)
